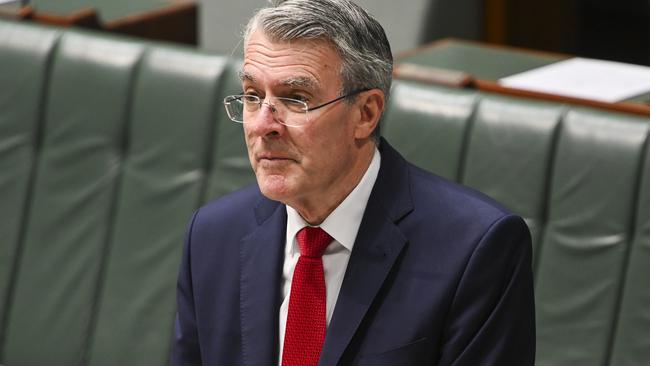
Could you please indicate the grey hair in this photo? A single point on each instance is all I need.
(359, 40)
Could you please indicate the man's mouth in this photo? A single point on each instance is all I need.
(272, 157)
(271, 160)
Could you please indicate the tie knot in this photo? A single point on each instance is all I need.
(313, 241)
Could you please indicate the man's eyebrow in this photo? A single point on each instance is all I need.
(300, 82)
(246, 76)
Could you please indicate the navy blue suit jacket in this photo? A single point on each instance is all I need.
(439, 275)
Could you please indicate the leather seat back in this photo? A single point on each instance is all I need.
(632, 338)
(72, 204)
(429, 125)
(577, 176)
(592, 202)
(25, 54)
(505, 128)
(162, 180)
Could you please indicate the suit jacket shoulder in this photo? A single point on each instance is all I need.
(234, 215)
(458, 281)
(441, 194)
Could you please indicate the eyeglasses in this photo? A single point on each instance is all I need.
(287, 111)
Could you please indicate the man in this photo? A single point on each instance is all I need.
(344, 253)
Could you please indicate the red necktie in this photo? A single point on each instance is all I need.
(306, 321)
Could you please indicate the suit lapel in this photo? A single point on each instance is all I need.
(261, 255)
(377, 247)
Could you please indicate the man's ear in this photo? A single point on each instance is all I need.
(371, 106)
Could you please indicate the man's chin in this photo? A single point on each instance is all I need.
(274, 187)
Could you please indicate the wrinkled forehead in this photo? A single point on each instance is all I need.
(298, 45)
(300, 63)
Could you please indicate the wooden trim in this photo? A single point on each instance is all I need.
(433, 75)
(86, 17)
(627, 107)
(176, 23)
(148, 16)
(25, 12)
(21, 13)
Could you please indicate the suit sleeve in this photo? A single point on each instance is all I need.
(185, 347)
(492, 318)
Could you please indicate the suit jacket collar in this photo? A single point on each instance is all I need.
(261, 258)
(378, 244)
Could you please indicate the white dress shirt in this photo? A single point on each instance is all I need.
(342, 225)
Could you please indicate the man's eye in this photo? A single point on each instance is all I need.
(250, 98)
(299, 97)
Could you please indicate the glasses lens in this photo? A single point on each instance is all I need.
(251, 103)
(290, 112)
(234, 107)
(293, 105)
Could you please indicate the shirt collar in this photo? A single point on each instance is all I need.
(343, 223)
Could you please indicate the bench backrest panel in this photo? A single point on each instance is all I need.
(632, 337)
(230, 168)
(72, 202)
(504, 128)
(429, 125)
(162, 182)
(24, 69)
(585, 242)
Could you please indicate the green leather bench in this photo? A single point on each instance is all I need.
(108, 144)
(581, 179)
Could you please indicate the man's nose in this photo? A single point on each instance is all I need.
(265, 120)
(268, 104)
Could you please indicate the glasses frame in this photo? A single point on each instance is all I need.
(231, 98)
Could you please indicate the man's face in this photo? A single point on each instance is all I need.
(299, 166)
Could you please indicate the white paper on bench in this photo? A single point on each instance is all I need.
(605, 81)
